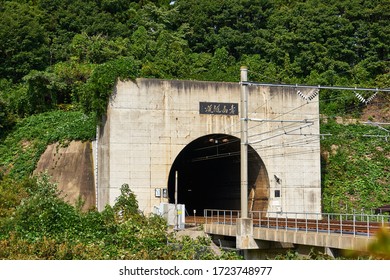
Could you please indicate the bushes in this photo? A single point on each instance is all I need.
(15, 248)
(126, 204)
(355, 168)
(43, 213)
(43, 226)
(11, 195)
(94, 94)
(21, 149)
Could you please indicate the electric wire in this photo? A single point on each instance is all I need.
(283, 127)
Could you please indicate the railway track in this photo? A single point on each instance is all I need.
(365, 228)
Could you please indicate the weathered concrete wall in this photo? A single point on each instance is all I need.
(71, 168)
(150, 121)
(103, 162)
(290, 151)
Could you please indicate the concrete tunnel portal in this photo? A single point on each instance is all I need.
(154, 127)
(208, 172)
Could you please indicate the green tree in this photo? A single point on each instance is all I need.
(7, 116)
(126, 204)
(234, 25)
(95, 93)
(23, 40)
(97, 49)
(43, 91)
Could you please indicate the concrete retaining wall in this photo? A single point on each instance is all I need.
(71, 168)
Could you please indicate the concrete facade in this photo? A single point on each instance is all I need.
(149, 122)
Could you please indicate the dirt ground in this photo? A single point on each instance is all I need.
(377, 111)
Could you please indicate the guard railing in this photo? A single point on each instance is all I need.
(331, 223)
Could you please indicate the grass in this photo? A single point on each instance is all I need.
(355, 168)
(23, 146)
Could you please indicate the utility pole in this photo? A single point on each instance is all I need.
(244, 142)
(244, 234)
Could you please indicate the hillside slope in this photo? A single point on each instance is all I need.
(355, 167)
(71, 168)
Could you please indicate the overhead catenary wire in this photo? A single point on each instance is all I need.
(308, 138)
(256, 110)
(286, 130)
(320, 87)
(290, 127)
(277, 117)
(248, 83)
(319, 135)
(280, 134)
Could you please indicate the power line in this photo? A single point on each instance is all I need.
(316, 87)
(289, 129)
(280, 134)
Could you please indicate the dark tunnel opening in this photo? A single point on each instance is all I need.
(209, 174)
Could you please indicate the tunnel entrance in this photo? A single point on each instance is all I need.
(209, 176)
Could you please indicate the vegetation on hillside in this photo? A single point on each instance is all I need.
(21, 149)
(59, 61)
(43, 226)
(355, 168)
(68, 52)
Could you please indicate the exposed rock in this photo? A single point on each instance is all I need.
(71, 168)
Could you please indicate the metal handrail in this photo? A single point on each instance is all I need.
(331, 223)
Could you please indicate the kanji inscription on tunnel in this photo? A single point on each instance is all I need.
(217, 108)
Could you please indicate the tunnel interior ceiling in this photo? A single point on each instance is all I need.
(209, 174)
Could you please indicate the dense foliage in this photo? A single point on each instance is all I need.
(20, 150)
(36, 223)
(59, 61)
(355, 168)
(55, 52)
(43, 226)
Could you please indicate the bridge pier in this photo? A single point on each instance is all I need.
(332, 252)
(244, 235)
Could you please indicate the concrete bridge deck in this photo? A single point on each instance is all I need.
(336, 231)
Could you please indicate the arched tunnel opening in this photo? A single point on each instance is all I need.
(208, 173)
